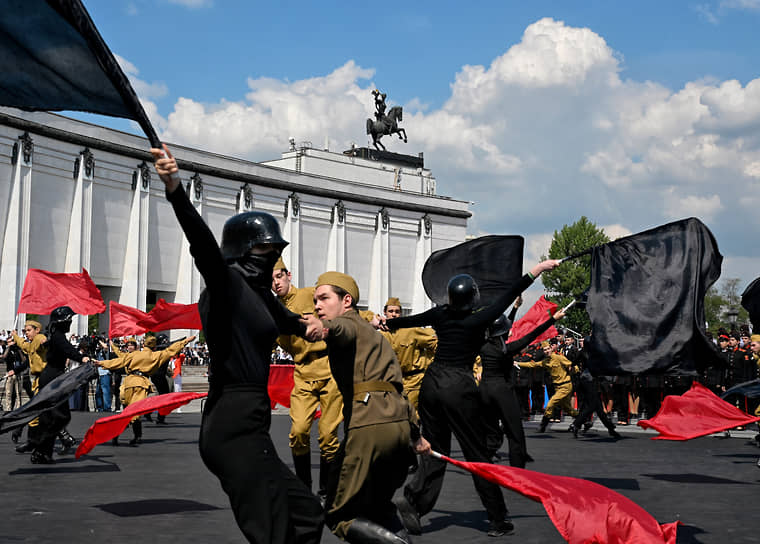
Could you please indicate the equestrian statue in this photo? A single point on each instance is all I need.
(384, 124)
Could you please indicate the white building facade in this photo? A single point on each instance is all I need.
(75, 195)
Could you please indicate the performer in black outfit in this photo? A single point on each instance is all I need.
(241, 320)
(54, 421)
(589, 400)
(449, 397)
(497, 386)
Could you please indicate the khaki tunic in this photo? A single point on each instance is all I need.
(313, 386)
(139, 365)
(37, 354)
(559, 367)
(414, 348)
(376, 450)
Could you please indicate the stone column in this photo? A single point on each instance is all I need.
(134, 280)
(336, 240)
(188, 278)
(80, 226)
(292, 233)
(420, 300)
(379, 273)
(14, 262)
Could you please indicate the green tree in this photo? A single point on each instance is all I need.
(572, 278)
(723, 307)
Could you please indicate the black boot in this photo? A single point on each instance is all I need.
(587, 426)
(410, 518)
(302, 468)
(573, 429)
(544, 423)
(137, 429)
(16, 434)
(39, 458)
(324, 477)
(614, 434)
(148, 417)
(161, 420)
(67, 441)
(364, 531)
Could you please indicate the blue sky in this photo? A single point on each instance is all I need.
(631, 113)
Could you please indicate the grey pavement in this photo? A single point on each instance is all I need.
(160, 492)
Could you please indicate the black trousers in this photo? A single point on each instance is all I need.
(590, 402)
(501, 405)
(450, 403)
(52, 421)
(270, 504)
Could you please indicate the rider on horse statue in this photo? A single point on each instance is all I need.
(384, 124)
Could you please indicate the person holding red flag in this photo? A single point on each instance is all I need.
(449, 398)
(139, 366)
(241, 319)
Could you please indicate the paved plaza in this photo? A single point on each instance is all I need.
(160, 492)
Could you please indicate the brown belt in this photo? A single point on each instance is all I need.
(413, 372)
(361, 388)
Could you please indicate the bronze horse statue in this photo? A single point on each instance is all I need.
(387, 125)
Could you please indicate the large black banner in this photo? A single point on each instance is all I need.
(495, 262)
(52, 58)
(50, 396)
(646, 301)
(751, 303)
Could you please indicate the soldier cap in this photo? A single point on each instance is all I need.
(339, 279)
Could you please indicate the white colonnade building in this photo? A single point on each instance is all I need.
(75, 195)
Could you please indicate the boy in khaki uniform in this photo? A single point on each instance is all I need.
(139, 365)
(376, 452)
(559, 368)
(414, 348)
(313, 386)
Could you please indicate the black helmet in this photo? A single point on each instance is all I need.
(245, 230)
(500, 327)
(162, 341)
(62, 314)
(463, 292)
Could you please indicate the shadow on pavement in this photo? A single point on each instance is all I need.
(151, 507)
(694, 479)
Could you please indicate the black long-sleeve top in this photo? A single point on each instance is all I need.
(59, 349)
(240, 322)
(497, 358)
(461, 334)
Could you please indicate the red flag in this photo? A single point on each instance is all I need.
(698, 412)
(281, 385)
(124, 320)
(45, 291)
(170, 315)
(537, 314)
(164, 316)
(110, 427)
(582, 511)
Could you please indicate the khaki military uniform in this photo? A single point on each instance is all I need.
(36, 353)
(559, 367)
(139, 365)
(414, 348)
(376, 452)
(313, 385)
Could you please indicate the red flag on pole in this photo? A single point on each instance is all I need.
(106, 428)
(166, 315)
(698, 412)
(582, 511)
(45, 291)
(534, 317)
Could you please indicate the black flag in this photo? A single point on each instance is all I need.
(749, 389)
(646, 301)
(52, 58)
(50, 396)
(495, 262)
(751, 303)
